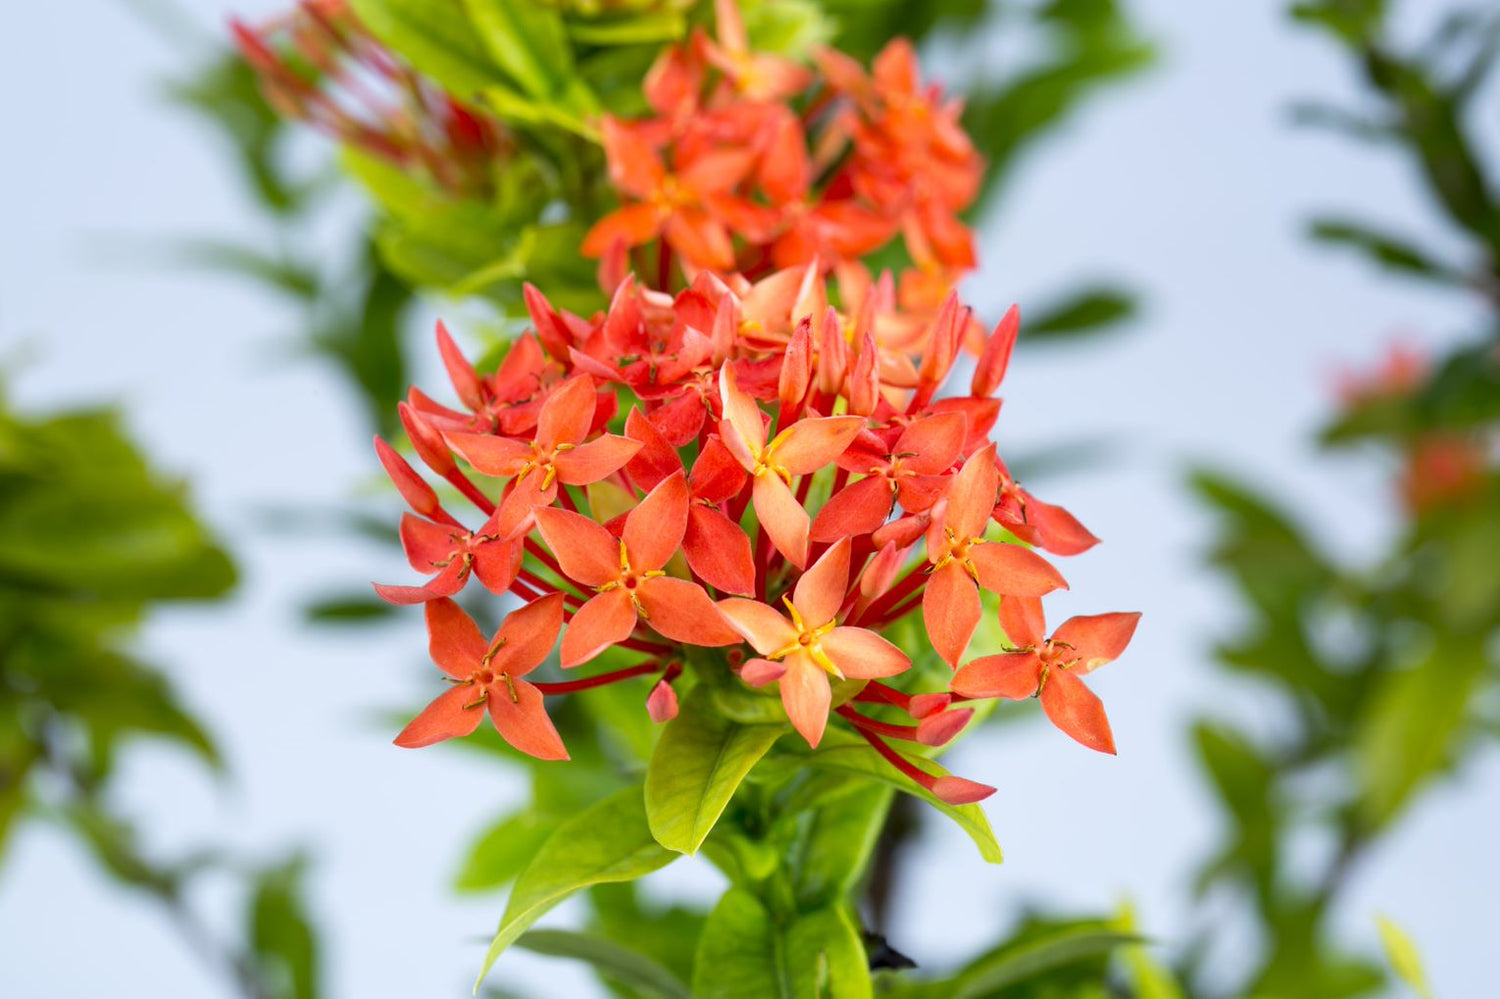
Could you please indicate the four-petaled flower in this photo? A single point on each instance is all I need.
(962, 560)
(488, 676)
(628, 578)
(1049, 668)
(806, 646)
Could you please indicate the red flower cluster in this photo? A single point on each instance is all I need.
(319, 65)
(800, 166)
(698, 517)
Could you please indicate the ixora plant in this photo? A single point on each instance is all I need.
(741, 489)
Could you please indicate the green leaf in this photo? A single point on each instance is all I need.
(829, 858)
(1393, 252)
(609, 842)
(698, 763)
(503, 851)
(1404, 957)
(1038, 954)
(746, 953)
(527, 40)
(630, 967)
(647, 28)
(281, 937)
(1084, 312)
(436, 37)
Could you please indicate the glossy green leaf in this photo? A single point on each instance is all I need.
(746, 953)
(698, 763)
(609, 842)
(627, 966)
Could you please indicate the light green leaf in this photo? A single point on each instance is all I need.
(609, 842)
(648, 28)
(744, 953)
(503, 851)
(698, 763)
(1402, 953)
(527, 40)
(436, 37)
(630, 967)
(829, 858)
(1054, 951)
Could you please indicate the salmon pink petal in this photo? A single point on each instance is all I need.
(661, 703)
(742, 423)
(716, 474)
(1011, 675)
(759, 672)
(527, 635)
(864, 655)
(782, 517)
(960, 791)
(939, 729)
(766, 629)
(701, 239)
(567, 414)
(718, 551)
(932, 444)
(854, 510)
(418, 495)
(922, 705)
(820, 591)
(951, 611)
(1014, 571)
(1057, 530)
(634, 166)
(520, 716)
(1096, 638)
(444, 584)
(1023, 620)
(806, 696)
(656, 460)
(681, 611)
(1077, 710)
(811, 444)
(516, 513)
(921, 492)
(630, 225)
(598, 459)
(654, 529)
(880, 573)
(447, 717)
(496, 565)
(971, 497)
(491, 455)
(796, 368)
(460, 372)
(680, 419)
(426, 544)
(990, 371)
(607, 619)
(587, 552)
(453, 639)
(717, 171)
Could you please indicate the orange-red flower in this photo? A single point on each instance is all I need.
(804, 647)
(1049, 668)
(488, 676)
(628, 576)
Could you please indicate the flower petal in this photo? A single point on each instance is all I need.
(587, 552)
(607, 619)
(1023, 620)
(1056, 529)
(453, 639)
(1014, 571)
(856, 509)
(1077, 710)
(806, 696)
(567, 414)
(765, 628)
(426, 544)
(864, 655)
(444, 584)
(657, 458)
(932, 444)
(630, 225)
(820, 591)
(599, 458)
(527, 635)
(742, 417)
(1011, 675)
(661, 703)
(445, 718)
(951, 611)
(521, 719)
(1097, 638)
(491, 455)
(971, 496)
(759, 672)
(814, 443)
(782, 517)
(718, 551)
(654, 529)
(681, 611)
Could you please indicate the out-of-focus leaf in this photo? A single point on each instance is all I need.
(1085, 312)
(829, 856)
(1401, 951)
(608, 842)
(747, 953)
(1393, 252)
(437, 38)
(287, 276)
(503, 851)
(699, 761)
(628, 966)
(281, 937)
(1244, 780)
(525, 39)
(356, 609)
(652, 27)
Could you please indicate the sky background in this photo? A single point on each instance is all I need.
(1188, 185)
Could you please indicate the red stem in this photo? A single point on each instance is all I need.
(602, 680)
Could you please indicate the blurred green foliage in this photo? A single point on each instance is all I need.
(92, 541)
(1379, 673)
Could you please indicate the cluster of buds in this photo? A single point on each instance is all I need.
(319, 65)
(782, 483)
(752, 162)
(1439, 468)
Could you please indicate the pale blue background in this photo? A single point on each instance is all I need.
(1187, 184)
